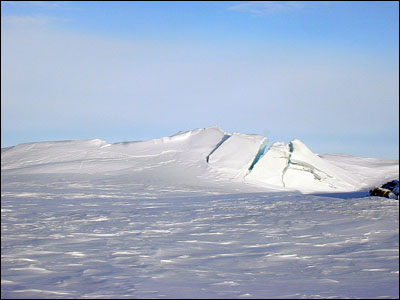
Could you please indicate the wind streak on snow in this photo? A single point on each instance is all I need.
(224, 138)
(173, 247)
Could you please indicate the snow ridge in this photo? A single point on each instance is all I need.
(207, 154)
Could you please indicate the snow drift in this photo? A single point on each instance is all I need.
(200, 156)
(203, 213)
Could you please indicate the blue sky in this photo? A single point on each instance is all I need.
(324, 72)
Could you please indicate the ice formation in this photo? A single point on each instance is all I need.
(204, 154)
(203, 213)
(294, 166)
(237, 154)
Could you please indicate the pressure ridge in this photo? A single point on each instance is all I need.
(207, 153)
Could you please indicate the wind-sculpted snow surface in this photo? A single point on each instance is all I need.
(200, 214)
(268, 245)
(203, 155)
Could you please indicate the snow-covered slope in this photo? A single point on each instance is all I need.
(237, 154)
(200, 214)
(294, 166)
(200, 156)
(66, 155)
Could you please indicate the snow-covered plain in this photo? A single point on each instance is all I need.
(201, 214)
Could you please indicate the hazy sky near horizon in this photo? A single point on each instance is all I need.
(324, 72)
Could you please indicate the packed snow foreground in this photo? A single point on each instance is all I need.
(200, 214)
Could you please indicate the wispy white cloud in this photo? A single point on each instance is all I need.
(267, 7)
(273, 7)
(42, 4)
(30, 20)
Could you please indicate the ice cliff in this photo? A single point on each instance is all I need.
(237, 154)
(294, 166)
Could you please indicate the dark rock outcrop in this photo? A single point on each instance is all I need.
(389, 190)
